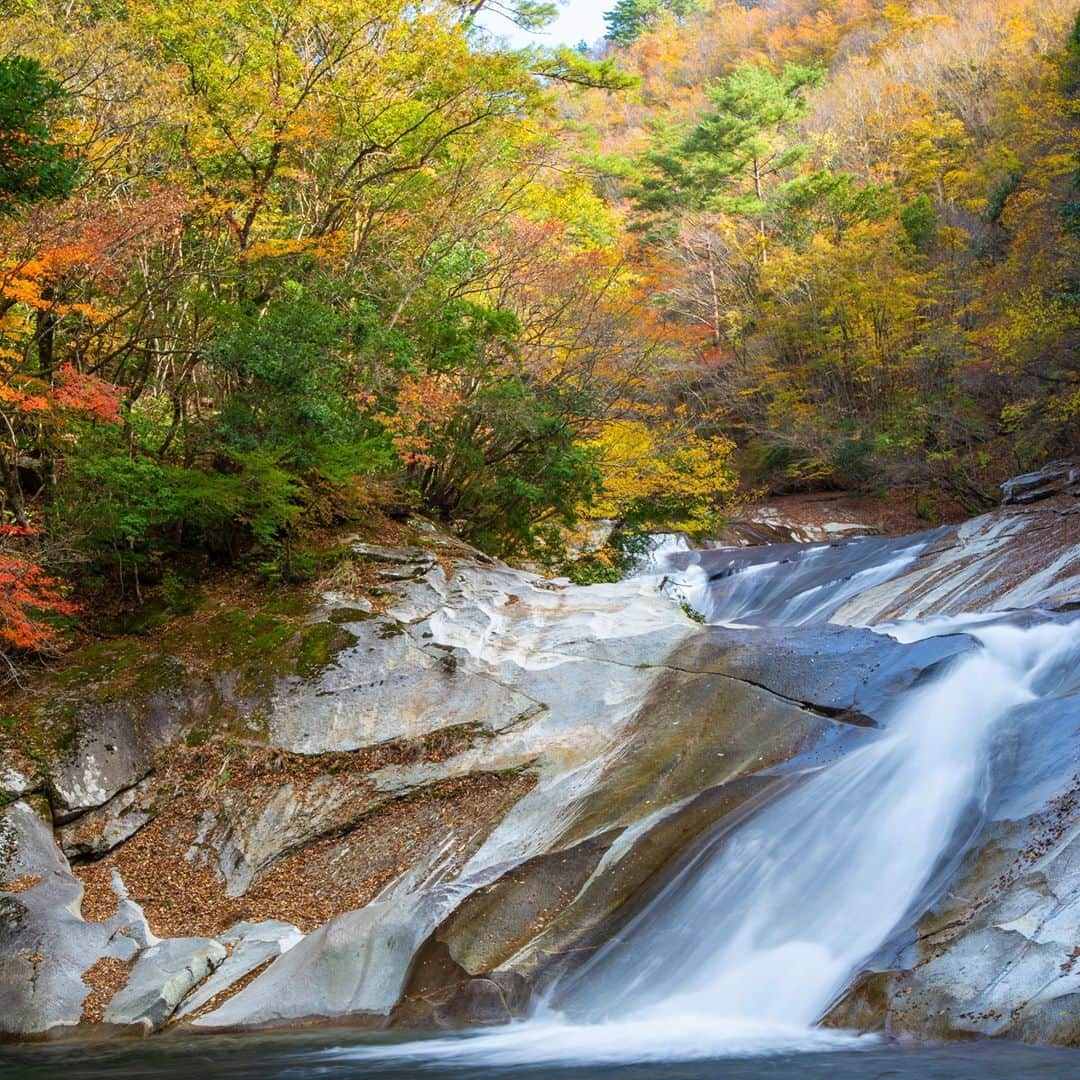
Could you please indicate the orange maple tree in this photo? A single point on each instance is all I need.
(28, 596)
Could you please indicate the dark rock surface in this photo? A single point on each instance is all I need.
(1057, 478)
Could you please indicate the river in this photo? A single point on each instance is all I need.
(337, 1055)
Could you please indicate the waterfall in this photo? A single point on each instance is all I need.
(767, 928)
(754, 939)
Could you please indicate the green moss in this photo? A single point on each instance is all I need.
(66, 735)
(100, 664)
(43, 731)
(320, 645)
(218, 670)
(347, 615)
(152, 615)
(288, 603)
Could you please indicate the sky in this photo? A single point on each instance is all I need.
(579, 20)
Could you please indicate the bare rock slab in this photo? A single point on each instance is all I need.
(252, 944)
(162, 977)
(46, 947)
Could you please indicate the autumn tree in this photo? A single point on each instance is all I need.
(628, 19)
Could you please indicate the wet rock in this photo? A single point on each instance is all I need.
(1057, 478)
(496, 999)
(163, 976)
(547, 913)
(1016, 558)
(998, 953)
(849, 674)
(46, 947)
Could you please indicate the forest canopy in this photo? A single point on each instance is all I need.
(266, 269)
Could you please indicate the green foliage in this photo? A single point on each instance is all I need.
(528, 14)
(575, 68)
(919, 221)
(32, 165)
(593, 569)
(628, 19)
(290, 380)
(735, 159)
(692, 612)
(529, 470)
(142, 510)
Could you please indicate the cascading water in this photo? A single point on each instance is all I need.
(748, 946)
(785, 584)
(767, 928)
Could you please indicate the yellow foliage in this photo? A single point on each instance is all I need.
(663, 475)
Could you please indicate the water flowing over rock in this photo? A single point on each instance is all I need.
(641, 803)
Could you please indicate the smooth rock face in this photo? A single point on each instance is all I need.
(574, 663)
(355, 964)
(45, 945)
(251, 945)
(645, 730)
(115, 742)
(388, 686)
(1013, 559)
(162, 977)
(850, 673)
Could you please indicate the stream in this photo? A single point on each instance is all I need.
(730, 967)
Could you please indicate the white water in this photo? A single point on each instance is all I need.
(768, 929)
(746, 949)
(803, 588)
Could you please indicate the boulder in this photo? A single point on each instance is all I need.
(46, 947)
(354, 965)
(162, 977)
(115, 733)
(100, 830)
(250, 945)
(1057, 478)
(19, 775)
